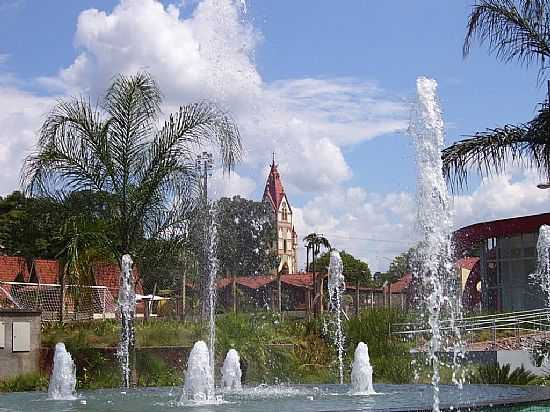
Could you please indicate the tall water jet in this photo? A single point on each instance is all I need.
(361, 371)
(231, 371)
(63, 380)
(212, 271)
(336, 289)
(542, 273)
(127, 307)
(434, 266)
(199, 381)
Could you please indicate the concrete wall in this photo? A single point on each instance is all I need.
(24, 361)
(517, 358)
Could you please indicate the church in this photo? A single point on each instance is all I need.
(287, 240)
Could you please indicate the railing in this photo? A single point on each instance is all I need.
(529, 321)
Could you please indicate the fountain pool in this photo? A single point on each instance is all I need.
(282, 398)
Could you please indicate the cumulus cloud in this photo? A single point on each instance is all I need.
(207, 52)
(371, 226)
(210, 55)
(229, 185)
(21, 115)
(509, 195)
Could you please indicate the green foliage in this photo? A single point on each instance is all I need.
(28, 226)
(246, 233)
(145, 174)
(513, 30)
(154, 371)
(354, 269)
(400, 265)
(252, 336)
(495, 374)
(81, 335)
(389, 355)
(24, 383)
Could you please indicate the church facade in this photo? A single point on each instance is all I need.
(286, 244)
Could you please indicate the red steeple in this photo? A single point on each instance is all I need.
(274, 190)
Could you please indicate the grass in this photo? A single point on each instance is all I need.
(105, 334)
(25, 383)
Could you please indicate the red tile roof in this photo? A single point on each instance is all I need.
(274, 190)
(108, 275)
(467, 262)
(47, 271)
(11, 267)
(402, 284)
(301, 280)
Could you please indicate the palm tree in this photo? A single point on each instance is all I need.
(314, 241)
(146, 173)
(513, 30)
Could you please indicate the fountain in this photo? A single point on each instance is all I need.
(212, 243)
(435, 267)
(127, 306)
(231, 371)
(336, 288)
(199, 381)
(63, 380)
(361, 371)
(542, 274)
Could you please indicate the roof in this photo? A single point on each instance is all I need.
(301, 280)
(274, 190)
(47, 271)
(402, 284)
(468, 236)
(108, 275)
(467, 262)
(11, 267)
(252, 282)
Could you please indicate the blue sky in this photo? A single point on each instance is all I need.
(373, 50)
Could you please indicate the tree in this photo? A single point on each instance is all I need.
(28, 226)
(246, 232)
(400, 265)
(514, 30)
(146, 173)
(354, 269)
(314, 242)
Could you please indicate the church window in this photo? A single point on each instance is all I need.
(284, 245)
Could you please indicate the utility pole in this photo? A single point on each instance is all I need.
(204, 165)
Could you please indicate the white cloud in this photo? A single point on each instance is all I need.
(229, 185)
(210, 54)
(21, 115)
(370, 226)
(499, 197)
(307, 122)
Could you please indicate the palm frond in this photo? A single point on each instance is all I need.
(169, 163)
(491, 151)
(72, 151)
(513, 29)
(133, 104)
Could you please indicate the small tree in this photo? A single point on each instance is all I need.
(246, 232)
(146, 172)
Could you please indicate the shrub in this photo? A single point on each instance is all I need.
(389, 354)
(24, 383)
(493, 373)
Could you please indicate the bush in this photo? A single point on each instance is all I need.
(25, 383)
(390, 356)
(495, 374)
